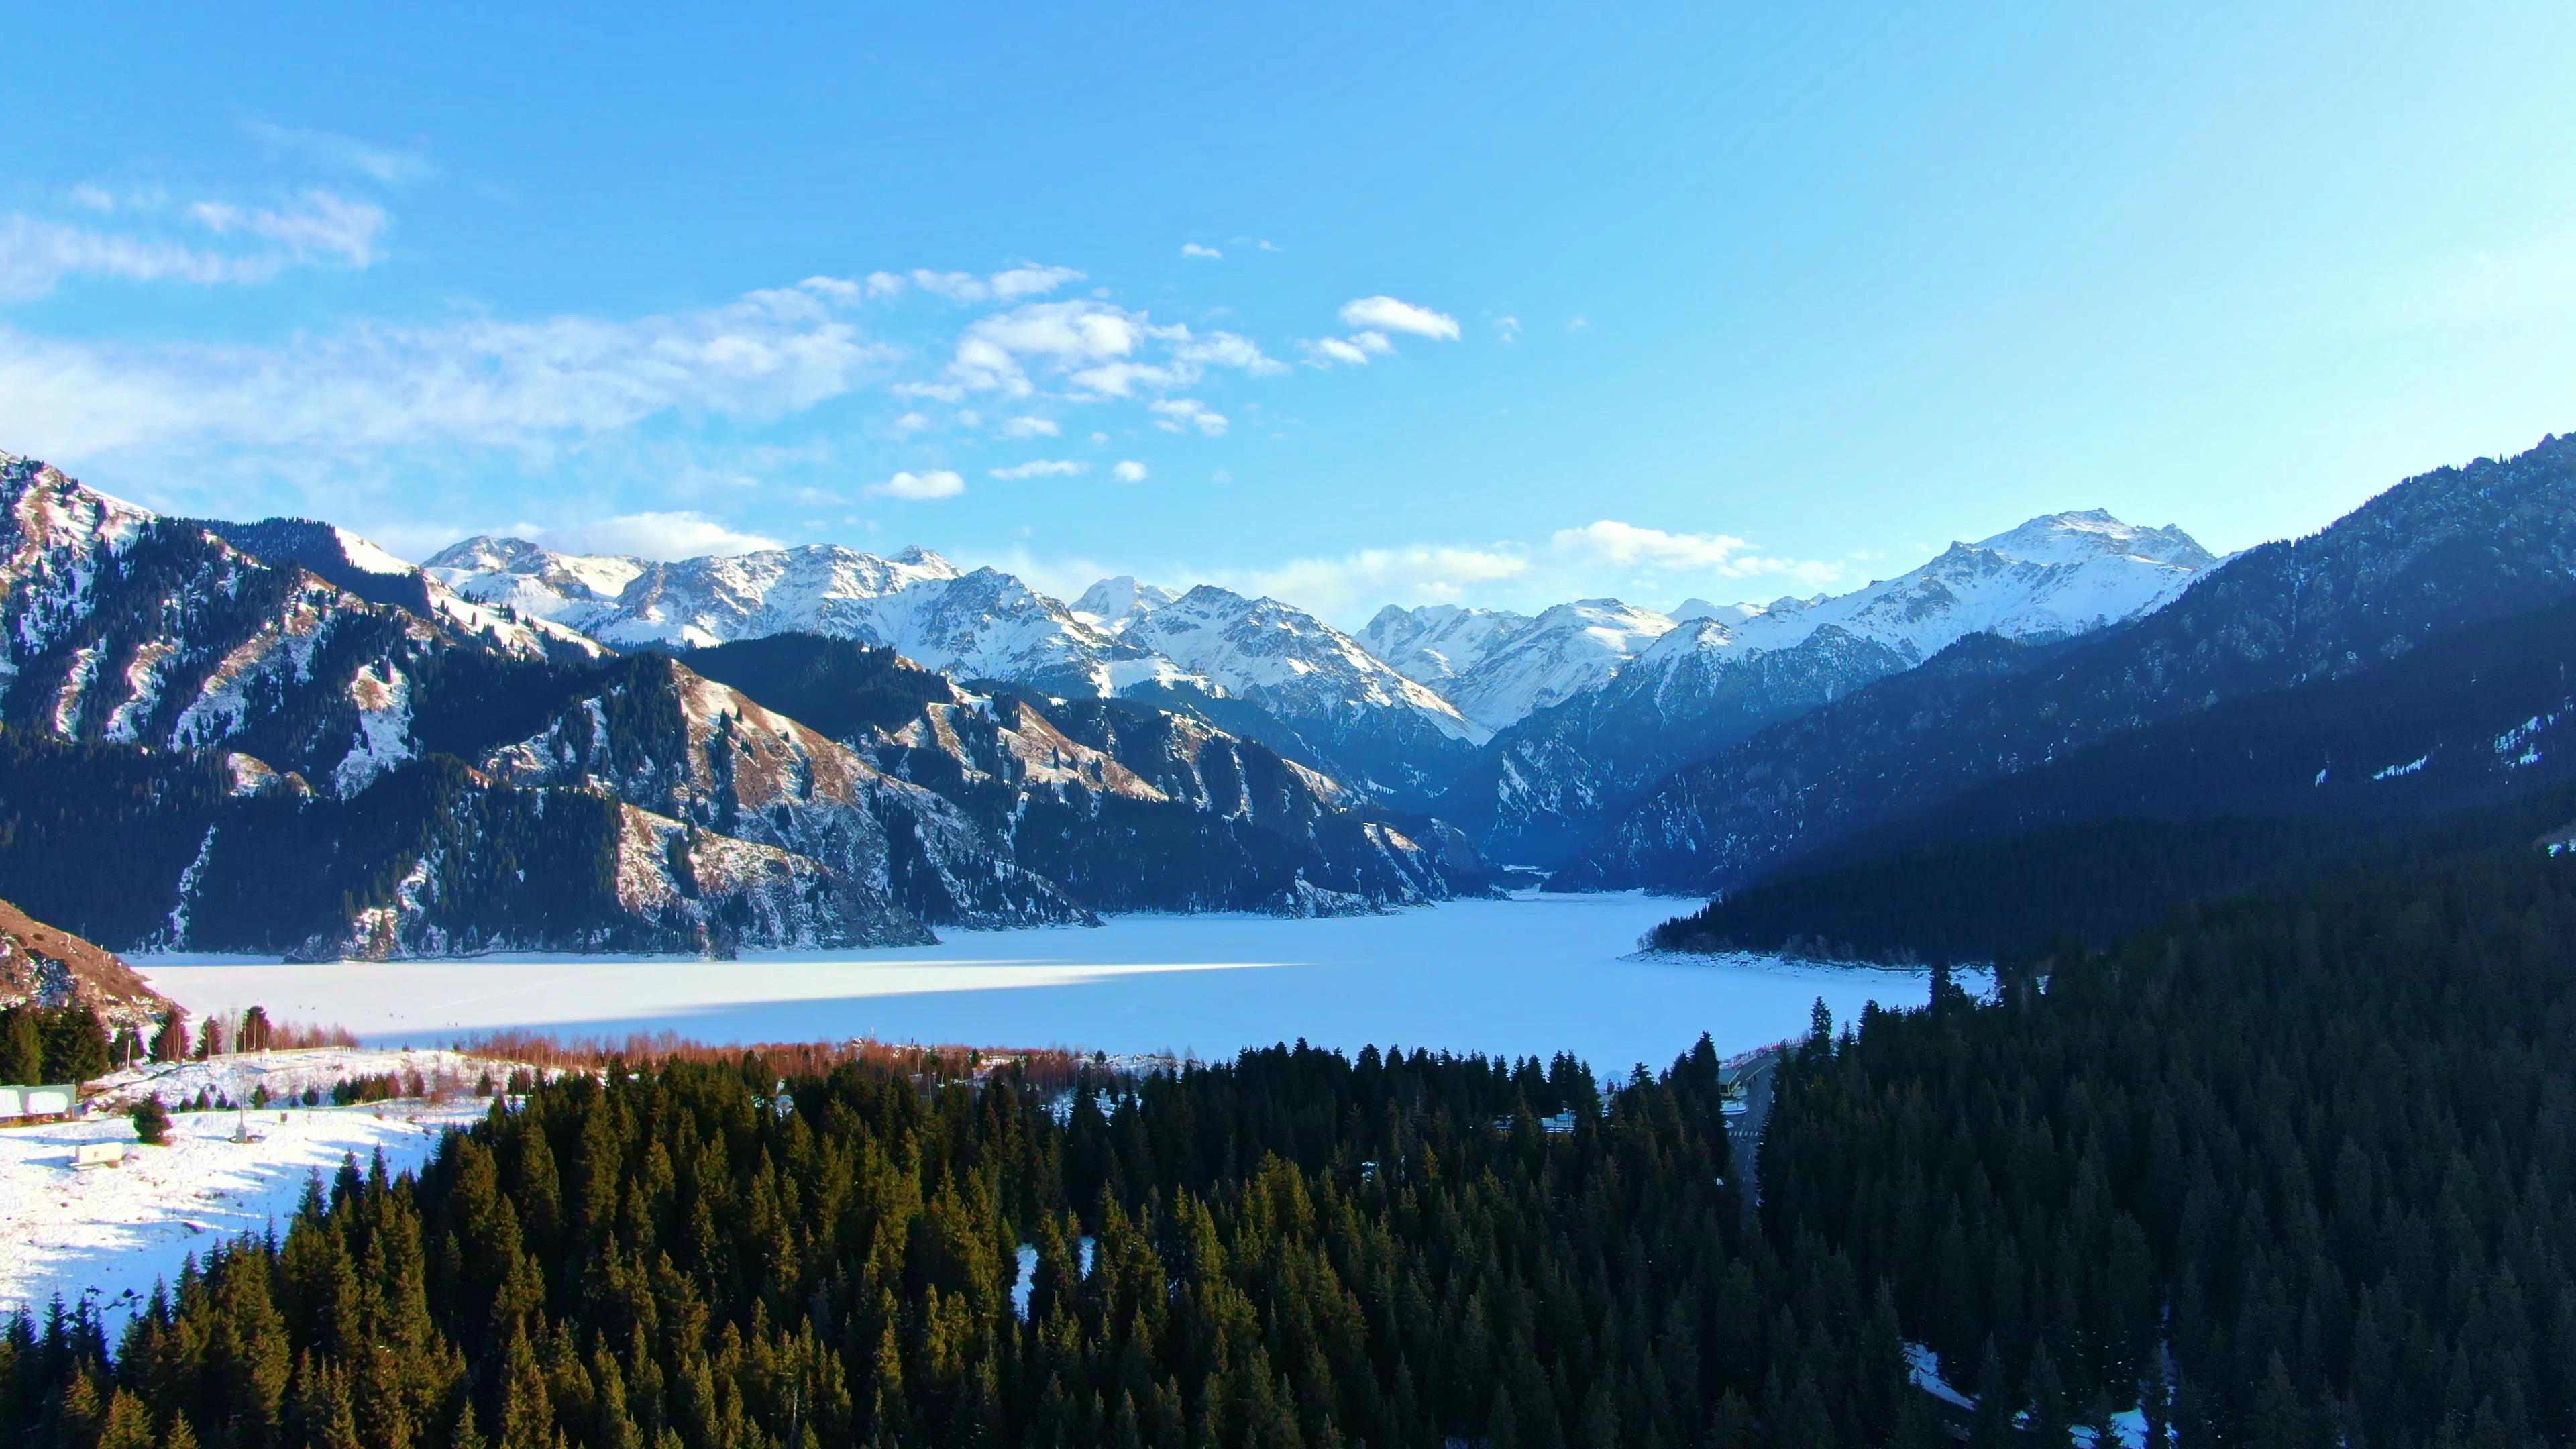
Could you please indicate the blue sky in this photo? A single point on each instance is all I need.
(1391, 303)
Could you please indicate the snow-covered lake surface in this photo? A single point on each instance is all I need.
(1532, 974)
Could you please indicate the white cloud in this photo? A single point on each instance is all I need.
(1097, 348)
(1349, 584)
(1325, 351)
(1043, 468)
(1632, 546)
(1507, 328)
(919, 487)
(1221, 349)
(1009, 285)
(1029, 427)
(1121, 379)
(1187, 412)
(251, 244)
(911, 423)
(474, 382)
(1129, 471)
(675, 535)
(1201, 253)
(1388, 314)
(1577, 323)
(385, 164)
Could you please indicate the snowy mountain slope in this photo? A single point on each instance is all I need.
(981, 623)
(2056, 575)
(1436, 643)
(655, 735)
(1385, 734)
(354, 564)
(118, 625)
(1129, 807)
(1113, 604)
(1565, 651)
(2437, 552)
(1543, 785)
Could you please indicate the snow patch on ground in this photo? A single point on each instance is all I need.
(287, 1073)
(107, 1234)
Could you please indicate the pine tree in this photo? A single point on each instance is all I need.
(151, 1122)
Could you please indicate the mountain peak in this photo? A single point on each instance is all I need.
(1113, 603)
(2089, 533)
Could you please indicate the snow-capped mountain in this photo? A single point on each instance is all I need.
(1436, 643)
(1724, 672)
(979, 623)
(2446, 550)
(1385, 734)
(1498, 668)
(1113, 604)
(120, 626)
(1127, 806)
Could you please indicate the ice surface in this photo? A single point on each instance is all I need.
(1532, 974)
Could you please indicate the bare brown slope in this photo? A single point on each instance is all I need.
(50, 966)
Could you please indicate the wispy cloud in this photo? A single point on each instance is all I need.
(1654, 550)
(1176, 414)
(1095, 349)
(1011, 284)
(1043, 468)
(1198, 252)
(671, 535)
(1031, 427)
(1345, 585)
(1388, 314)
(386, 165)
(919, 487)
(475, 382)
(1129, 471)
(204, 243)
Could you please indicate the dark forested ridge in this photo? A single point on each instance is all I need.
(1294, 1249)
(2455, 746)
(2323, 1150)
(2452, 548)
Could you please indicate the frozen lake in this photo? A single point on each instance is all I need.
(1532, 974)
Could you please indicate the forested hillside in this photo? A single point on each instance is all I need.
(2321, 1152)
(2456, 746)
(1295, 1249)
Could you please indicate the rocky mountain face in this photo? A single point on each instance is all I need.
(43, 966)
(1545, 784)
(1301, 685)
(1131, 807)
(979, 623)
(117, 625)
(2435, 553)
(274, 737)
(1382, 733)
(1499, 668)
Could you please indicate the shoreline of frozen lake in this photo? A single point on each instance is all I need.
(1531, 974)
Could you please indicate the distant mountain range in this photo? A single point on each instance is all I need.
(512, 746)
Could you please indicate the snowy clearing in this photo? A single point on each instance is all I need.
(108, 1233)
(287, 1073)
(1532, 974)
